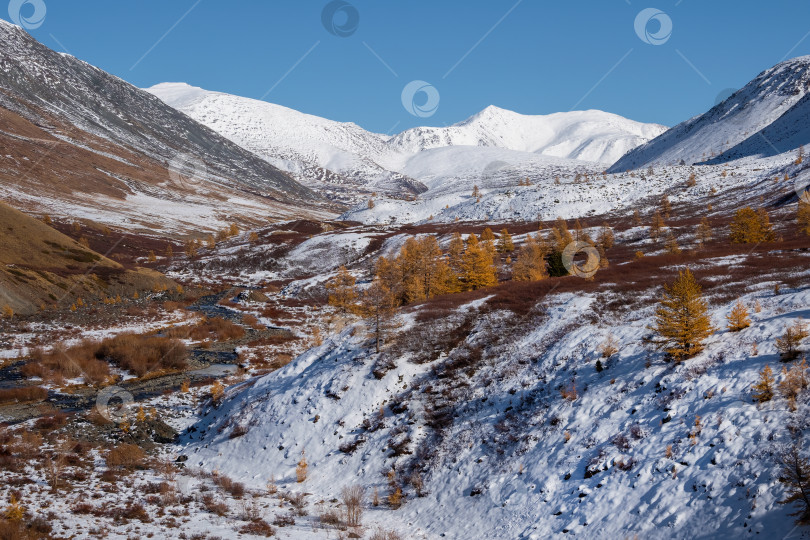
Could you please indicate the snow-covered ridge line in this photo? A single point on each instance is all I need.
(371, 162)
(744, 116)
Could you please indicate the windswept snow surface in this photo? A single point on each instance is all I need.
(518, 460)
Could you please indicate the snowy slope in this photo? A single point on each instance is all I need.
(452, 173)
(517, 460)
(299, 142)
(786, 133)
(35, 78)
(761, 102)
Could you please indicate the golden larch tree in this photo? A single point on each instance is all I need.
(531, 260)
(561, 235)
(342, 293)
(478, 270)
(738, 317)
(656, 226)
(751, 226)
(606, 238)
(391, 273)
(378, 304)
(703, 233)
(426, 271)
(455, 252)
(488, 241)
(672, 244)
(505, 243)
(803, 216)
(682, 318)
(580, 235)
(763, 388)
(666, 207)
(301, 469)
(790, 341)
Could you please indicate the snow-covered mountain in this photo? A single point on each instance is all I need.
(307, 145)
(77, 140)
(335, 158)
(582, 135)
(744, 117)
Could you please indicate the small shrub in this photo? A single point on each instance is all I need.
(395, 497)
(258, 527)
(238, 431)
(284, 520)
(789, 343)
(301, 469)
(382, 534)
(126, 456)
(214, 506)
(23, 394)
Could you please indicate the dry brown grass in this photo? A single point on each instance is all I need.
(216, 329)
(142, 354)
(24, 394)
(126, 456)
(61, 363)
(89, 359)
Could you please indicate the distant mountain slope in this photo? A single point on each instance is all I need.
(321, 153)
(299, 142)
(753, 108)
(70, 127)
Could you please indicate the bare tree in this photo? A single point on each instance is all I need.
(378, 308)
(353, 501)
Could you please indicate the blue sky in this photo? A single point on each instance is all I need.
(541, 57)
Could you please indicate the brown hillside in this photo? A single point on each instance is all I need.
(41, 267)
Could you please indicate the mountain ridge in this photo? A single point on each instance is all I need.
(760, 103)
(118, 141)
(372, 162)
